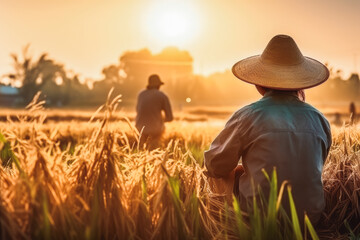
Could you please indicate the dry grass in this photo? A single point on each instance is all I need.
(92, 181)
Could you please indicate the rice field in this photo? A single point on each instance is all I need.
(92, 180)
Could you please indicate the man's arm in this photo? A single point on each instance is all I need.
(225, 151)
(329, 140)
(167, 110)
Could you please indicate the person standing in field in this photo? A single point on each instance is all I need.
(352, 110)
(279, 131)
(151, 104)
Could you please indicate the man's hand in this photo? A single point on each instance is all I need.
(229, 179)
(224, 186)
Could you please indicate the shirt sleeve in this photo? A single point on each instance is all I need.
(167, 110)
(329, 140)
(225, 151)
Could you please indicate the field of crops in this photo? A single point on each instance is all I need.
(91, 180)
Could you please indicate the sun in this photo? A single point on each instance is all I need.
(172, 23)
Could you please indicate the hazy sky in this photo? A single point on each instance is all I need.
(86, 35)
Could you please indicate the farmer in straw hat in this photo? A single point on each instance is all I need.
(280, 130)
(151, 103)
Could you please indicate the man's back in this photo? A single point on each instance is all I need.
(149, 106)
(295, 138)
(279, 130)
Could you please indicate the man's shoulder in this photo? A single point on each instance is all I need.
(243, 112)
(268, 103)
(162, 94)
(266, 106)
(248, 109)
(312, 108)
(152, 93)
(142, 92)
(317, 113)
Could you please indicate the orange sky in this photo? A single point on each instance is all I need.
(86, 35)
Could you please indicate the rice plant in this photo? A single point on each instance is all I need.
(94, 181)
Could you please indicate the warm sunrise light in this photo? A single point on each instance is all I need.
(147, 119)
(171, 23)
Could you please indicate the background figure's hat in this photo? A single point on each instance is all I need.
(281, 66)
(154, 81)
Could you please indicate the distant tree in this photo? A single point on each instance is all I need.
(77, 93)
(112, 74)
(53, 93)
(34, 74)
(111, 79)
(45, 75)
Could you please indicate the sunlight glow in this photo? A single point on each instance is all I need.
(172, 23)
(188, 100)
(59, 80)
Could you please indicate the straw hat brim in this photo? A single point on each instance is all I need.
(307, 74)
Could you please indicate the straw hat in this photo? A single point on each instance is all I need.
(154, 81)
(281, 66)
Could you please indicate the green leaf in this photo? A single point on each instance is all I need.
(243, 232)
(256, 223)
(183, 230)
(47, 225)
(311, 228)
(271, 218)
(7, 155)
(294, 216)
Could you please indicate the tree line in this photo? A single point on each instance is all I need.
(61, 87)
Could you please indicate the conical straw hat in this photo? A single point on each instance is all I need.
(281, 66)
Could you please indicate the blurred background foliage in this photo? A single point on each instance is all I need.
(62, 87)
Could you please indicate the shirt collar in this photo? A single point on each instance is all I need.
(271, 93)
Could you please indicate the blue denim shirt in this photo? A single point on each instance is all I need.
(277, 131)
